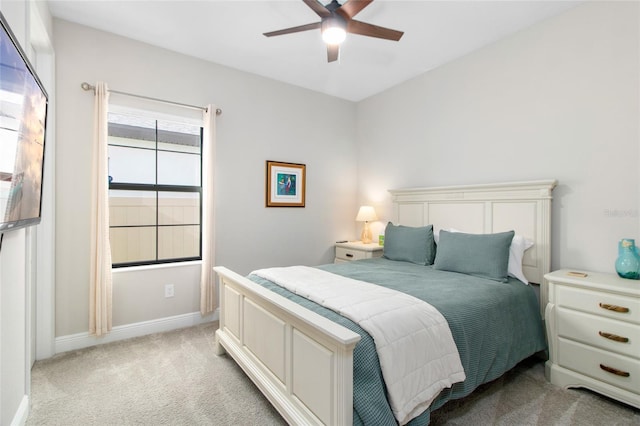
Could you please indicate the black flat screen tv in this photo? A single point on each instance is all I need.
(23, 119)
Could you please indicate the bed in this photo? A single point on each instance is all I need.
(310, 362)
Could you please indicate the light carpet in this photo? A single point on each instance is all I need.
(174, 378)
(170, 378)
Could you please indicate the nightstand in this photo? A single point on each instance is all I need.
(355, 250)
(593, 328)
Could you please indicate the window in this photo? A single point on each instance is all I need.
(155, 190)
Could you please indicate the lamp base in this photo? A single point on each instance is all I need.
(366, 236)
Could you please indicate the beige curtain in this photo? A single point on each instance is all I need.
(100, 280)
(208, 296)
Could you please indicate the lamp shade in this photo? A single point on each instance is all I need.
(366, 214)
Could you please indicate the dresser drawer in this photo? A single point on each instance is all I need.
(605, 333)
(599, 303)
(348, 254)
(594, 362)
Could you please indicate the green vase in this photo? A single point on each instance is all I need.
(628, 262)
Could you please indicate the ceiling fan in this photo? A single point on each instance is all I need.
(336, 21)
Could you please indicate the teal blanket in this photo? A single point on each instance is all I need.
(495, 325)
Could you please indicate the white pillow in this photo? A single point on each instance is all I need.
(436, 233)
(519, 245)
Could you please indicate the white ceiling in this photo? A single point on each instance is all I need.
(229, 32)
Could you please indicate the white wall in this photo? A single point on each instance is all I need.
(262, 120)
(20, 258)
(14, 373)
(13, 283)
(557, 100)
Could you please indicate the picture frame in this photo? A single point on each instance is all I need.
(285, 184)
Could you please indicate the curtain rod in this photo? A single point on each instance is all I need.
(87, 86)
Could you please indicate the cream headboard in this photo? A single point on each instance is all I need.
(524, 207)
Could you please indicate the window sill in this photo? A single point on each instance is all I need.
(155, 267)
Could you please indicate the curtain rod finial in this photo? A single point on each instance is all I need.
(87, 86)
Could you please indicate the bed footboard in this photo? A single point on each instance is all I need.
(301, 361)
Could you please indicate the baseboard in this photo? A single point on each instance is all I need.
(20, 419)
(84, 340)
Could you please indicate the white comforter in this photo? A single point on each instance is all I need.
(418, 356)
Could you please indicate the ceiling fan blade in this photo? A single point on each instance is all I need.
(333, 51)
(318, 8)
(298, 29)
(352, 7)
(370, 30)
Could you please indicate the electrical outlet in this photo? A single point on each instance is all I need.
(168, 290)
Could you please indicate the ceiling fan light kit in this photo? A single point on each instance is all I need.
(334, 30)
(336, 20)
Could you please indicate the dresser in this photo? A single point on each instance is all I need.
(355, 250)
(593, 329)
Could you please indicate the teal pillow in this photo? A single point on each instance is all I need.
(409, 244)
(481, 255)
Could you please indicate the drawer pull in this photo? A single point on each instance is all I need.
(349, 255)
(614, 308)
(614, 371)
(613, 337)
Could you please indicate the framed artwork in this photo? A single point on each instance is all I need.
(285, 184)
